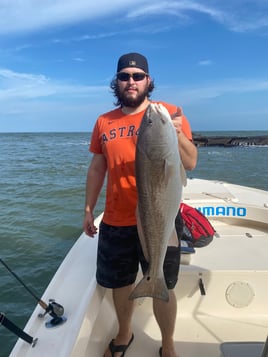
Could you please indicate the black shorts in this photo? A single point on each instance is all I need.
(119, 256)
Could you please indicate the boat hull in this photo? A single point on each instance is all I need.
(222, 289)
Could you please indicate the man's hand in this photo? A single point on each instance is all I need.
(88, 225)
(177, 120)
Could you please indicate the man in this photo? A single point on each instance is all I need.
(113, 144)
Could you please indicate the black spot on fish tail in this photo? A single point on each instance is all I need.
(151, 287)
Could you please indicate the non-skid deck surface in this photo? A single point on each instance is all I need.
(234, 247)
(196, 336)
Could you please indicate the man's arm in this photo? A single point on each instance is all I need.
(95, 178)
(188, 150)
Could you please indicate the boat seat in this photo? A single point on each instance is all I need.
(245, 349)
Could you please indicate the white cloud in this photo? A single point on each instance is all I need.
(233, 14)
(31, 15)
(85, 37)
(177, 8)
(78, 59)
(37, 97)
(206, 62)
(206, 91)
(34, 102)
(14, 85)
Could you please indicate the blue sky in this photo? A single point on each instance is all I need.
(57, 58)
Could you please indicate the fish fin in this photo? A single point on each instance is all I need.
(169, 171)
(151, 287)
(141, 236)
(183, 175)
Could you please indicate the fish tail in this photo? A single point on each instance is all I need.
(151, 287)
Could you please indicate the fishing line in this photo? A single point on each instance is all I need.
(21, 282)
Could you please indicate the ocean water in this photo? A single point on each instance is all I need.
(42, 187)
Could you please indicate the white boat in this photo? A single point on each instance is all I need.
(222, 291)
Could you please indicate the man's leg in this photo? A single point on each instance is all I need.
(165, 314)
(117, 267)
(124, 311)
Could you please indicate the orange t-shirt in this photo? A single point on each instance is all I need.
(115, 136)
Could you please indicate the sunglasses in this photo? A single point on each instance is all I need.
(124, 77)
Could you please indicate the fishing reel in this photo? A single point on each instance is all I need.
(56, 311)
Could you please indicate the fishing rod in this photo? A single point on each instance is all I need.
(17, 330)
(54, 309)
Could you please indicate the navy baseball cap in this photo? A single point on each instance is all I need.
(135, 60)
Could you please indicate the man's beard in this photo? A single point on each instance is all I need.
(130, 101)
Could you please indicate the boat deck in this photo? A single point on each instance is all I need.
(197, 335)
(246, 248)
(235, 296)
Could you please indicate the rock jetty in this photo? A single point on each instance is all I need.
(228, 141)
